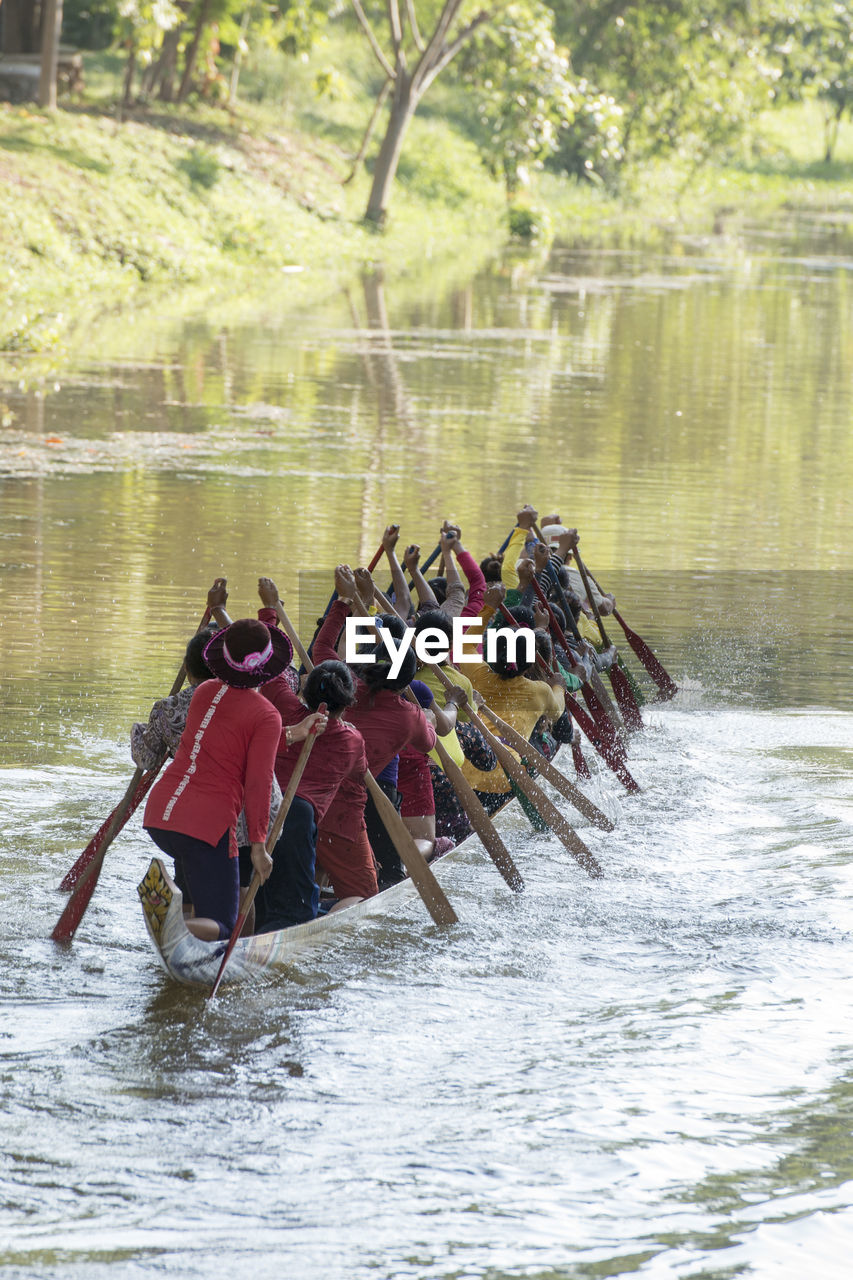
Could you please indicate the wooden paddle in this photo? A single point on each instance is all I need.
(476, 815)
(272, 840)
(86, 870)
(622, 689)
(532, 756)
(548, 812)
(665, 683)
(410, 855)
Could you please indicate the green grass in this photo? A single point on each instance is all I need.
(99, 209)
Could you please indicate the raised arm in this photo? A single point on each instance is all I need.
(402, 599)
(216, 598)
(411, 559)
(474, 574)
(454, 601)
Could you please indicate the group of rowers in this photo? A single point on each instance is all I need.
(237, 729)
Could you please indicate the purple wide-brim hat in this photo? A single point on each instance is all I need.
(248, 653)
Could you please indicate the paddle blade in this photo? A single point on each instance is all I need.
(667, 686)
(625, 699)
(581, 766)
(75, 907)
(232, 942)
(97, 843)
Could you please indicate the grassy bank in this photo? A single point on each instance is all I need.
(98, 212)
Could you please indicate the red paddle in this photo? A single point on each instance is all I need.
(596, 731)
(86, 870)
(621, 688)
(666, 685)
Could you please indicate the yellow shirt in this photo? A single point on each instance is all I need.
(514, 548)
(588, 628)
(521, 703)
(451, 743)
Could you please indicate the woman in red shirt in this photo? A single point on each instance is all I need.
(291, 895)
(386, 721)
(224, 762)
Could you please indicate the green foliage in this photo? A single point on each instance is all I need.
(812, 44)
(529, 223)
(89, 24)
(688, 75)
(201, 167)
(439, 166)
(591, 145)
(520, 78)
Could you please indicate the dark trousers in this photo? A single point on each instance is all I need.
(388, 859)
(291, 896)
(211, 876)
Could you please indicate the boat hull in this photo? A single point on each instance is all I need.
(193, 962)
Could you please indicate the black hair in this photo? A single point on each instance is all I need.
(544, 647)
(197, 668)
(377, 675)
(559, 615)
(501, 664)
(491, 568)
(438, 587)
(434, 618)
(330, 682)
(393, 623)
(523, 616)
(574, 603)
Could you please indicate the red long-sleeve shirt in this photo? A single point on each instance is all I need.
(224, 762)
(385, 720)
(337, 754)
(476, 584)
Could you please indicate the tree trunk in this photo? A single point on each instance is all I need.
(192, 51)
(128, 73)
(403, 106)
(238, 60)
(51, 27)
(163, 81)
(368, 133)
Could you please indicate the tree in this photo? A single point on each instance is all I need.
(813, 46)
(687, 75)
(51, 27)
(412, 64)
(520, 78)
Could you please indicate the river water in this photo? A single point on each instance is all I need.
(649, 1074)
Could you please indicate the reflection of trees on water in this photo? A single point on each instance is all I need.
(699, 417)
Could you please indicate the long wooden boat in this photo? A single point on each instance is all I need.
(193, 962)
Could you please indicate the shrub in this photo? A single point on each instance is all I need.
(201, 167)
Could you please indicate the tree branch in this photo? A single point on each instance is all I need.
(368, 133)
(436, 40)
(420, 43)
(449, 52)
(396, 26)
(372, 41)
